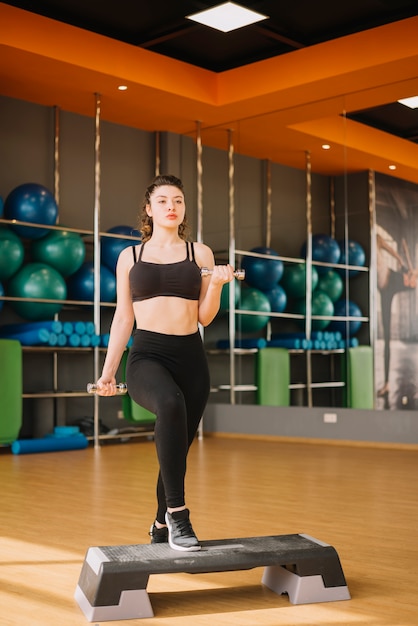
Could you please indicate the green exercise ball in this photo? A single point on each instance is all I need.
(321, 305)
(11, 253)
(37, 281)
(332, 284)
(224, 306)
(61, 249)
(294, 279)
(252, 299)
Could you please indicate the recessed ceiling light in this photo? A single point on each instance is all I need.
(412, 103)
(326, 146)
(122, 87)
(392, 167)
(227, 16)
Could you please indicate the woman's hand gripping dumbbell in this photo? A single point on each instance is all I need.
(119, 389)
(238, 274)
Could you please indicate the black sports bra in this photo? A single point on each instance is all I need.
(180, 280)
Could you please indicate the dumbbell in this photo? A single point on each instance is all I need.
(121, 388)
(205, 271)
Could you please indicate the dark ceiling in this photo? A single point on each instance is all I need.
(161, 27)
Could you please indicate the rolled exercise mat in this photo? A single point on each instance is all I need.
(34, 337)
(273, 377)
(10, 389)
(50, 444)
(358, 376)
(54, 326)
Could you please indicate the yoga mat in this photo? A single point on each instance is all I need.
(273, 377)
(10, 389)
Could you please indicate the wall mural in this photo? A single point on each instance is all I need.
(396, 356)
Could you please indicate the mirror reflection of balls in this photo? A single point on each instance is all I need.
(31, 202)
(321, 304)
(37, 281)
(325, 249)
(62, 249)
(294, 279)
(351, 254)
(111, 247)
(252, 299)
(262, 273)
(81, 284)
(11, 253)
(346, 327)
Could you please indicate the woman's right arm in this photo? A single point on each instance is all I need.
(122, 324)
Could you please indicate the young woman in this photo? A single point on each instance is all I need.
(160, 288)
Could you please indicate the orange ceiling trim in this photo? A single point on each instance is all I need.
(61, 42)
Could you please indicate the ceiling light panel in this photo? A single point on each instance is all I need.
(227, 16)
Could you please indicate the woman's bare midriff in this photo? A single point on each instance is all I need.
(168, 315)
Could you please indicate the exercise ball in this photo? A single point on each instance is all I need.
(62, 249)
(1, 294)
(325, 249)
(262, 273)
(37, 281)
(252, 299)
(11, 253)
(332, 284)
(277, 298)
(81, 284)
(111, 247)
(294, 279)
(346, 327)
(224, 305)
(33, 203)
(321, 304)
(352, 254)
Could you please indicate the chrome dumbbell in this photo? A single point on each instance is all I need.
(121, 388)
(239, 274)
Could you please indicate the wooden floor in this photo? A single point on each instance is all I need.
(363, 501)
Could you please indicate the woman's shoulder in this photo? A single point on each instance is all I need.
(203, 253)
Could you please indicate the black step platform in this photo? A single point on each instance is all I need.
(113, 579)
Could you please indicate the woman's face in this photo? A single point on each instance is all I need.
(167, 207)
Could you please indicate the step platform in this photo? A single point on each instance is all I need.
(113, 579)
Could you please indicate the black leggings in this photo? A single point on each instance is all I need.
(394, 285)
(169, 376)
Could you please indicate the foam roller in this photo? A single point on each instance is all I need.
(50, 444)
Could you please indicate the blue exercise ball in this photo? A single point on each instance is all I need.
(321, 304)
(332, 284)
(1, 294)
(344, 309)
(111, 247)
(352, 254)
(262, 273)
(37, 281)
(81, 284)
(33, 203)
(325, 249)
(277, 298)
(12, 253)
(294, 279)
(252, 299)
(62, 249)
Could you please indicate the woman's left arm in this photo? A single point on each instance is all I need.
(210, 293)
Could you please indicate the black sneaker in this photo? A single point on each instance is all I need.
(180, 532)
(158, 535)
